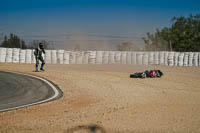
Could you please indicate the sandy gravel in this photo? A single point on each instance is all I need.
(105, 96)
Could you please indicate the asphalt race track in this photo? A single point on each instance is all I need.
(21, 90)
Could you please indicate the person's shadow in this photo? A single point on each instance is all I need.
(93, 128)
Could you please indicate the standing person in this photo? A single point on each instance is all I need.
(38, 56)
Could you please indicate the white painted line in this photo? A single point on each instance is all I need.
(43, 101)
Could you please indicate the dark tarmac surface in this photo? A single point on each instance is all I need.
(18, 90)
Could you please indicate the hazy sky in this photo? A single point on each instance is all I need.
(72, 21)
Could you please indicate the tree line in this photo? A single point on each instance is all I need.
(15, 42)
(182, 36)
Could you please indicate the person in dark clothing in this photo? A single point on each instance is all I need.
(147, 74)
(138, 75)
(38, 56)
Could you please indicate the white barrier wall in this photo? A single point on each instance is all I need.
(176, 54)
(22, 56)
(66, 57)
(47, 56)
(166, 58)
(191, 55)
(133, 60)
(92, 57)
(171, 58)
(151, 58)
(139, 58)
(9, 55)
(28, 58)
(60, 54)
(33, 60)
(196, 59)
(105, 57)
(145, 58)
(79, 57)
(54, 56)
(99, 57)
(123, 57)
(15, 55)
(199, 58)
(180, 59)
(117, 57)
(111, 58)
(162, 58)
(128, 58)
(185, 59)
(3, 54)
(156, 58)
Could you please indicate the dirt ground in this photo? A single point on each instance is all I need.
(105, 98)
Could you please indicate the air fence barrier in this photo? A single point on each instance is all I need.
(22, 56)
(9, 55)
(79, 57)
(15, 55)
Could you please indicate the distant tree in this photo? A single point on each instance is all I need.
(77, 47)
(1, 37)
(157, 41)
(13, 42)
(46, 44)
(35, 43)
(127, 46)
(183, 35)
